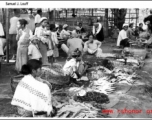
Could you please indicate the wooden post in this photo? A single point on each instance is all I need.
(106, 23)
(7, 32)
(54, 15)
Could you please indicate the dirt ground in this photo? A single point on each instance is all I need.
(130, 97)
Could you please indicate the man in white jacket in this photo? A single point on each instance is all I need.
(122, 35)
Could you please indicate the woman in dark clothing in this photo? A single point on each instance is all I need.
(141, 28)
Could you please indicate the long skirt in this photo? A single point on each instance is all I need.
(22, 56)
(43, 51)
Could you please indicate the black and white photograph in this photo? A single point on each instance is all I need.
(75, 62)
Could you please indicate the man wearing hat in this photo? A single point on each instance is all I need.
(64, 33)
(122, 35)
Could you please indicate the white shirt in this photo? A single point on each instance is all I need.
(34, 52)
(122, 35)
(98, 29)
(64, 33)
(37, 18)
(70, 67)
(13, 25)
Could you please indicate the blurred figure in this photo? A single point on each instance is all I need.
(59, 29)
(31, 23)
(77, 30)
(65, 34)
(141, 28)
(136, 32)
(55, 42)
(33, 49)
(72, 44)
(23, 36)
(115, 33)
(82, 30)
(43, 41)
(38, 17)
(130, 32)
(13, 33)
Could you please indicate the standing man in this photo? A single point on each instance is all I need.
(38, 17)
(31, 21)
(13, 32)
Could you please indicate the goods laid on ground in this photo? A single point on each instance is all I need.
(88, 101)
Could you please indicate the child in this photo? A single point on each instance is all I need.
(33, 50)
(55, 42)
(47, 35)
(115, 32)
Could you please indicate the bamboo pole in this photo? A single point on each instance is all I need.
(7, 32)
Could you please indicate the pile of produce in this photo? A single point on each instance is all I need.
(69, 108)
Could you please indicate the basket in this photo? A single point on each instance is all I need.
(24, 113)
(14, 82)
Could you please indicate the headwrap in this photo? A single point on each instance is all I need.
(65, 25)
(42, 19)
(125, 24)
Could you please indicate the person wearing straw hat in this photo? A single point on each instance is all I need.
(64, 33)
(122, 34)
(43, 43)
(33, 50)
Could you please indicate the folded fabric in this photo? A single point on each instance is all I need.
(32, 95)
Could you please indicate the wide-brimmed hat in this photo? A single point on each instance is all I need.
(65, 25)
(42, 19)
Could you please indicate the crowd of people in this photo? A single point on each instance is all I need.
(33, 46)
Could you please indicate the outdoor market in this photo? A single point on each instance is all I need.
(76, 63)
